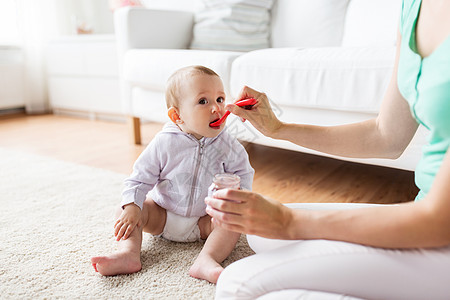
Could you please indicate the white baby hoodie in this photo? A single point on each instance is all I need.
(177, 170)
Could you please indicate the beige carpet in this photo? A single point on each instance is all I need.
(56, 215)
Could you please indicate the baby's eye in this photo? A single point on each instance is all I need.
(220, 100)
(202, 101)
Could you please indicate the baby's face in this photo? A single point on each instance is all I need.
(202, 102)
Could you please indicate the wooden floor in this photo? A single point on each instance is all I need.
(284, 175)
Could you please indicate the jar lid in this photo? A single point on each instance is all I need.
(227, 180)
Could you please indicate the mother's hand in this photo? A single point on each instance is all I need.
(260, 115)
(250, 213)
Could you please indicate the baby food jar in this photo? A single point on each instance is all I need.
(224, 181)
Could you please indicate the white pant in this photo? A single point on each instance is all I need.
(321, 269)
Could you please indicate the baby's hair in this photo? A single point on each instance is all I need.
(175, 80)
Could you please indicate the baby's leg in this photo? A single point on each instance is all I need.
(217, 247)
(127, 259)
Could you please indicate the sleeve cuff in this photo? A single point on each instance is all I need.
(128, 201)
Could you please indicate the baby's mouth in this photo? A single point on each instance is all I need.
(214, 122)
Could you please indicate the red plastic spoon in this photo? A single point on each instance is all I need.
(248, 103)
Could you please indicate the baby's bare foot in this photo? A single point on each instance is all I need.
(206, 268)
(115, 264)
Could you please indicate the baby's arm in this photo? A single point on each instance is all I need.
(144, 177)
(141, 181)
(127, 221)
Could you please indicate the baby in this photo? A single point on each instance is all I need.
(176, 169)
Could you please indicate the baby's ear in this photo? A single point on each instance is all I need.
(174, 116)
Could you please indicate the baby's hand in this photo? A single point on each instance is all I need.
(128, 220)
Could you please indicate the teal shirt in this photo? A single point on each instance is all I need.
(425, 83)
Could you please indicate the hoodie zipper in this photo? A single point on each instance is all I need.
(194, 181)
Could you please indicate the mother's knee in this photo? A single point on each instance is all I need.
(232, 282)
(228, 284)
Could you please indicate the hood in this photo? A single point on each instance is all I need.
(171, 127)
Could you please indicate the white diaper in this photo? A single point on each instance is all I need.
(181, 229)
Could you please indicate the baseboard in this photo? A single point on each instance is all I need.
(12, 112)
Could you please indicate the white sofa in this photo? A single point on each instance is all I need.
(329, 63)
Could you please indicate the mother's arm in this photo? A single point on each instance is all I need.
(414, 224)
(387, 136)
(409, 225)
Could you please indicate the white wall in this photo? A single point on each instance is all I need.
(96, 13)
(11, 78)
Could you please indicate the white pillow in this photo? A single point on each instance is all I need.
(234, 25)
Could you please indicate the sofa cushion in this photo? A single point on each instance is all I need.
(150, 68)
(371, 23)
(234, 25)
(188, 5)
(351, 79)
(307, 23)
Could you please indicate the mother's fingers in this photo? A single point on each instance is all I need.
(226, 206)
(248, 92)
(229, 227)
(224, 217)
(240, 196)
(239, 111)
